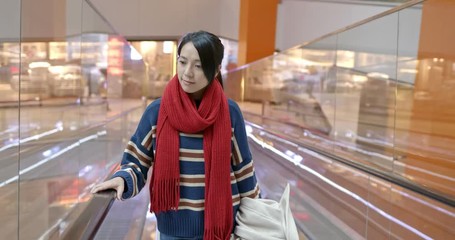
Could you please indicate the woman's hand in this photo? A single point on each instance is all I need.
(116, 183)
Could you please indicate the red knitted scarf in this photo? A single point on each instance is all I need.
(178, 113)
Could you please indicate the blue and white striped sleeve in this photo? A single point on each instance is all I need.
(138, 154)
(242, 161)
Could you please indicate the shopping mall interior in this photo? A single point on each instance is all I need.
(350, 102)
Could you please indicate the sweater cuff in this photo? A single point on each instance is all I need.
(128, 183)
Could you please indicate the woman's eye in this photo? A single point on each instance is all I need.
(182, 62)
(198, 66)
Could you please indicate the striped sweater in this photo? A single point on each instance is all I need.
(188, 220)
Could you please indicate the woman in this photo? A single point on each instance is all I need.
(196, 141)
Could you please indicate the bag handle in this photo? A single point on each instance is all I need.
(288, 220)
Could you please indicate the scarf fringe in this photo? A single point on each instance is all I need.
(217, 233)
(166, 189)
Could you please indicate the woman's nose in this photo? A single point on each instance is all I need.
(188, 71)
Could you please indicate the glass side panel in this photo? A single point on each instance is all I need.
(234, 87)
(45, 175)
(407, 68)
(424, 146)
(365, 107)
(365, 92)
(315, 102)
(10, 57)
(159, 58)
(70, 74)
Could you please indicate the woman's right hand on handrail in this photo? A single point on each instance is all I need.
(116, 183)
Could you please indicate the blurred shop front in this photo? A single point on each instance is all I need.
(81, 67)
(84, 67)
(159, 58)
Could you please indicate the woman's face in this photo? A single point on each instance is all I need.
(190, 73)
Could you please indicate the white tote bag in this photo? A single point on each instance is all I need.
(266, 219)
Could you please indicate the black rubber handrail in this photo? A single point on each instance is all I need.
(89, 221)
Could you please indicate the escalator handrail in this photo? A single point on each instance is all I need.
(89, 221)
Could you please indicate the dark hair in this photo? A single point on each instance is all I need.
(210, 49)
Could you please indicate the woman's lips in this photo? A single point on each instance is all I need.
(188, 82)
